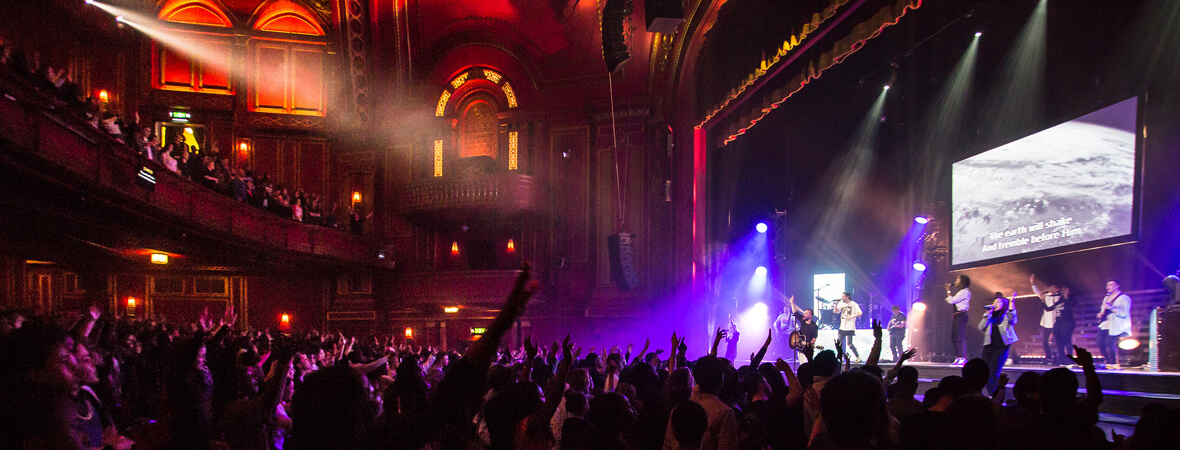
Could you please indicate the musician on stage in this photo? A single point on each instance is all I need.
(961, 300)
(808, 325)
(1056, 320)
(1115, 315)
(896, 332)
(848, 311)
(999, 333)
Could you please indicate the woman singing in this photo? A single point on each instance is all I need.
(999, 332)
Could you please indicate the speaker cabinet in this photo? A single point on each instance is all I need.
(663, 16)
(1169, 340)
(622, 260)
(614, 42)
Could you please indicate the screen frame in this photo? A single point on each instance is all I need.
(1136, 198)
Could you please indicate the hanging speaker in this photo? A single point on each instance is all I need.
(614, 43)
(622, 260)
(663, 16)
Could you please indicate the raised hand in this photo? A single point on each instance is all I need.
(567, 348)
(94, 312)
(577, 352)
(530, 349)
(556, 347)
(204, 321)
(781, 365)
(228, 319)
(906, 355)
(1032, 278)
(877, 333)
(522, 291)
(675, 341)
(1083, 358)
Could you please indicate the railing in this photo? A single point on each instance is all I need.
(32, 122)
(501, 194)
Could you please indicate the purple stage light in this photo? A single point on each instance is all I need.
(761, 227)
(919, 266)
(921, 220)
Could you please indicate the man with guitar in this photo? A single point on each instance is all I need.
(1115, 317)
(807, 330)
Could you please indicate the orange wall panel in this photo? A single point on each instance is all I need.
(175, 69)
(216, 75)
(270, 77)
(307, 85)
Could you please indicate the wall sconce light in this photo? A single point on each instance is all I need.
(455, 248)
(356, 196)
(131, 306)
(104, 96)
(511, 246)
(284, 322)
(409, 333)
(450, 309)
(159, 258)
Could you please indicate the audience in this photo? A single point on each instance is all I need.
(94, 381)
(206, 167)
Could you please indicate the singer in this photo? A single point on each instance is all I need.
(961, 300)
(848, 311)
(999, 332)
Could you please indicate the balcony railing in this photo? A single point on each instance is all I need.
(32, 123)
(498, 195)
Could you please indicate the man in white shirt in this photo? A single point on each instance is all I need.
(961, 302)
(1049, 312)
(1115, 315)
(848, 311)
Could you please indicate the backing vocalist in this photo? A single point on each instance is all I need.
(961, 300)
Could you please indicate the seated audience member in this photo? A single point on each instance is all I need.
(903, 404)
(854, 414)
(689, 424)
(710, 375)
(1061, 424)
(1028, 401)
(927, 429)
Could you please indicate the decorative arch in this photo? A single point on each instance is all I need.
(479, 76)
(287, 16)
(195, 12)
(479, 127)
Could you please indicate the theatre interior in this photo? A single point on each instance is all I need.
(386, 167)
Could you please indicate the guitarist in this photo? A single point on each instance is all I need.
(808, 326)
(1115, 317)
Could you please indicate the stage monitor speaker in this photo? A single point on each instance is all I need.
(614, 43)
(622, 260)
(663, 16)
(1169, 341)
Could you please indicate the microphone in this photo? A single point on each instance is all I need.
(988, 307)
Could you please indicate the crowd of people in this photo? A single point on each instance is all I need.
(96, 381)
(207, 167)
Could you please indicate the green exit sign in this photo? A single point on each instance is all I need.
(180, 116)
(480, 330)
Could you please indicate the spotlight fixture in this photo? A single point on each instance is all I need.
(921, 220)
(978, 33)
(886, 87)
(119, 19)
(761, 270)
(919, 306)
(761, 227)
(1129, 344)
(89, 2)
(919, 266)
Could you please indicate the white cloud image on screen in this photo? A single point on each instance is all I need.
(1069, 184)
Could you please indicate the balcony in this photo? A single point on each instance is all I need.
(484, 196)
(66, 151)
